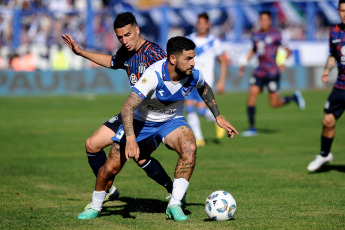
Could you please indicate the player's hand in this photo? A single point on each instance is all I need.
(223, 123)
(220, 87)
(324, 77)
(69, 41)
(241, 71)
(132, 148)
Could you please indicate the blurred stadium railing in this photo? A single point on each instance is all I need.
(31, 50)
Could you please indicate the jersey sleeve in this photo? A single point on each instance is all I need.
(253, 42)
(332, 48)
(118, 60)
(201, 80)
(146, 84)
(156, 54)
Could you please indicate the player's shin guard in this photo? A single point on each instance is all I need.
(96, 160)
(154, 170)
(251, 116)
(179, 189)
(326, 144)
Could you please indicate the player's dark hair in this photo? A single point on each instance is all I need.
(340, 2)
(124, 19)
(176, 45)
(267, 13)
(204, 15)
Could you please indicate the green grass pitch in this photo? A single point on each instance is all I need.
(46, 180)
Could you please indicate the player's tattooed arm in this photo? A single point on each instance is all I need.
(208, 97)
(132, 102)
(331, 62)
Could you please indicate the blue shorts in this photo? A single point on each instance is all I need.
(335, 103)
(194, 96)
(272, 83)
(146, 131)
(114, 122)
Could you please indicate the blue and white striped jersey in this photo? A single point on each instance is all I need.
(163, 98)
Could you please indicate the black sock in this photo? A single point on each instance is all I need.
(251, 114)
(154, 170)
(288, 99)
(96, 160)
(325, 146)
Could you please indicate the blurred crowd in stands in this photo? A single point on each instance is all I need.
(42, 22)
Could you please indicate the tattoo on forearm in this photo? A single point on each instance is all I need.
(132, 102)
(331, 62)
(208, 97)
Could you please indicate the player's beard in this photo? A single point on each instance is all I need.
(181, 72)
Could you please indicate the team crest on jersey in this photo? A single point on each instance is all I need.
(133, 79)
(186, 91)
(142, 67)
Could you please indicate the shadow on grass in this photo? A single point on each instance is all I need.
(329, 167)
(132, 205)
(268, 131)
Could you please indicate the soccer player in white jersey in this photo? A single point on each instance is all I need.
(208, 49)
(154, 111)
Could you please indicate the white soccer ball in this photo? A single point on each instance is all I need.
(220, 205)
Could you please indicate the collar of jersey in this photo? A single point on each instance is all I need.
(165, 72)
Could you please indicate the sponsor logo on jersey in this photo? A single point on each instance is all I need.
(141, 68)
(161, 110)
(336, 41)
(125, 64)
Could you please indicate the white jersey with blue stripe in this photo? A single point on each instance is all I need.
(207, 49)
(163, 98)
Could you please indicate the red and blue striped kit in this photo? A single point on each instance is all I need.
(136, 62)
(265, 46)
(337, 50)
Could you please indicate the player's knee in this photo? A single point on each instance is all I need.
(328, 122)
(189, 108)
(201, 111)
(189, 149)
(90, 146)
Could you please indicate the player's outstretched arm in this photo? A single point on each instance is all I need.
(132, 102)
(223, 62)
(331, 62)
(208, 97)
(100, 59)
(243, 66)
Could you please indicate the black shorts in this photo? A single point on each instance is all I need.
(335, 103)
(114, 122)
(272, 83)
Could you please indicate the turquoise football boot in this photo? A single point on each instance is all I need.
(175, 212)
(88, 214)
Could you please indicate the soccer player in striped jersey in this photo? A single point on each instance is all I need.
(135, 55)
(265, 45)
(208, 49)
(335, 104)
(154, 110)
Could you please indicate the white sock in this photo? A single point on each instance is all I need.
(180, 186)
(97, 199)
(112, 189)
(209, 116)
(194, 122)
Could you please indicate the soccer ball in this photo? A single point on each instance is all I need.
(220, 205)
